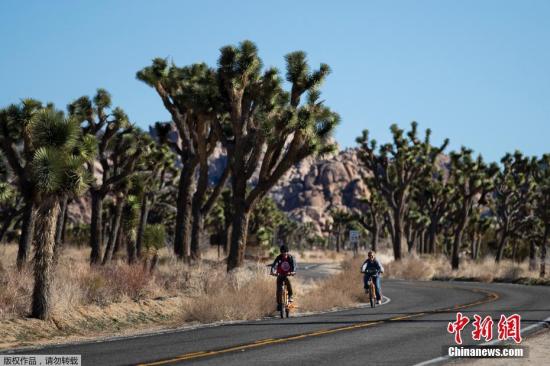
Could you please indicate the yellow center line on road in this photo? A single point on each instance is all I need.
(264, 340)
(491, 296)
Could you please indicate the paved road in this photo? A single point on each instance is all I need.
(409, 329)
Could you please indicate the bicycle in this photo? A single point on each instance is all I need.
(285, 307)
(370, 287)
(285, 304)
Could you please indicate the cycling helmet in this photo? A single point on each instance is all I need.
(284, 249)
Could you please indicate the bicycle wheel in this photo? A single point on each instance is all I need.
(284, 301)
(372, 295)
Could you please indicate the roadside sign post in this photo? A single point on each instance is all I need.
(354, 240)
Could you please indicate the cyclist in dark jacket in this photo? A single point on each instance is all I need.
(283, 266)
(372, 263)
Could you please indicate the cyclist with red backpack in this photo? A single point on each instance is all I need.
(283, 266)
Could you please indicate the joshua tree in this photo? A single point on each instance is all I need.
(10, 200)
(542, 208)
(191, 95)
(153, 239)
(533, 233)
(156, 180)
(514, 186)
(478, 224)
(264, 220)
(472, 181)
(129, 225)
(340, 220)
(57, 171)
(17, 148)
(125, 150)
(415, 225)
(373, 217)
(431, 194)
(99, 120)
(270, 129)
(394, 169)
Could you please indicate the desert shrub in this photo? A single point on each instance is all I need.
(410, 268)
(154, 237)
(246, 293)
(15, 293)
(105, 285)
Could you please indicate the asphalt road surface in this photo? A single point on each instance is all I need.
(409, 328)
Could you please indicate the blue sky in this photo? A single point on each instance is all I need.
(474, 71)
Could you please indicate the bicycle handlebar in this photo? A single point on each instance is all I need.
(277, 274)
(371, 271)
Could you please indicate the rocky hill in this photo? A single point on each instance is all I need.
(314, 187)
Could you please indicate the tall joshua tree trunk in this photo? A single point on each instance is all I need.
(196, 233)
(27, 231)
(114, 231)
(398, 234)
(239, 226)
(227, 233)
(182, 240)
(543, 253)
(532, 255)
(120, 238)
(197, 209)
(338, 238)
(44, 241)
(64, 226)
(458, 234)
(457, 241)
(432, 233)
(144, 215)
(131, 250)
(476, 243)
(59, 229)
(96, 226)
(502, 243)
(456, 246)
(239, 232)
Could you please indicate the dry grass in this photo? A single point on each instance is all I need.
(340, 290)
(102, 300)
(410, 268)
(247, 293)
(483, 270)
(15, 293)
(218, 295)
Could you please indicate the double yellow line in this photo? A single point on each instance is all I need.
(490, 296)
